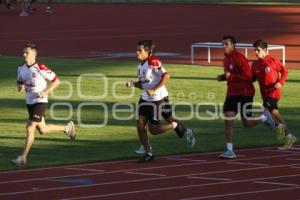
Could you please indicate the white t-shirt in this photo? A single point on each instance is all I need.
(150, 74)
(34, 78)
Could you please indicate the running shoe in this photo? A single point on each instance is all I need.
(228, 155)
(289, 140)
(148, 157)
(20, 161)
(190, 137)
(23, 14)
(49, 9)
(70, 130)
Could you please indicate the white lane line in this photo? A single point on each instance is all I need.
(124, 161)
(241, 163)
(293, 159)
(295, 166)
(162, 178)
(82, 169)
(97, 173)
(172, 188)
(61, 167)
(210, 178)
(274, 183)
(145, 174)
(296, 148)
(186, 159)
(240, 193)
(283, 151)
(139, 169)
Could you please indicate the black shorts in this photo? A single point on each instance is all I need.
(154, 110)
(36, 111)
(271, 103)
(239, 104)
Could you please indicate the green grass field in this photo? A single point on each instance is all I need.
(117, 140)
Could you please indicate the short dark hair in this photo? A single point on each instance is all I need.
(148, 45)
(31, 46)
(260, 43)
(231, 38)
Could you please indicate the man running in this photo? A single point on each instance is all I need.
(271, 76)
(33, 77)
(240, 92)
(154, 102)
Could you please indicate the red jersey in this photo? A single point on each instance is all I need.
(240, 81)
(268, 72)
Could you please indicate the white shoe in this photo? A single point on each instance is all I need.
(70, 130)
(228, 155)
(49, 9)
(23, 14)
(20, 161)
(141, 150)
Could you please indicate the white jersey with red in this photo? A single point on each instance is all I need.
(150, 74)
(34, 78)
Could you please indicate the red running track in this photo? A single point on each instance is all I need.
(110, 31)
(257, 174)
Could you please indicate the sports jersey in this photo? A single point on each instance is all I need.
(149, 74)
(268, 72)
(240, 81)
(34, 79)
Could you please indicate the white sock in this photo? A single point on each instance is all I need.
(229, 146)
(174, 124)
(263, 118)
(22, 157)
(66, 129)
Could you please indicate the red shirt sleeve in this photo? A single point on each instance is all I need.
(283, 72)
(154, 62)
(47, 73)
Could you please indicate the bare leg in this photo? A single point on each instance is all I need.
(43, 128)
(30, 128)
(159, 129)
(142, 132)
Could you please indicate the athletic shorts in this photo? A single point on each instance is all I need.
(271, 103)
(36, 111)
(239, 104)
(154, 110)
